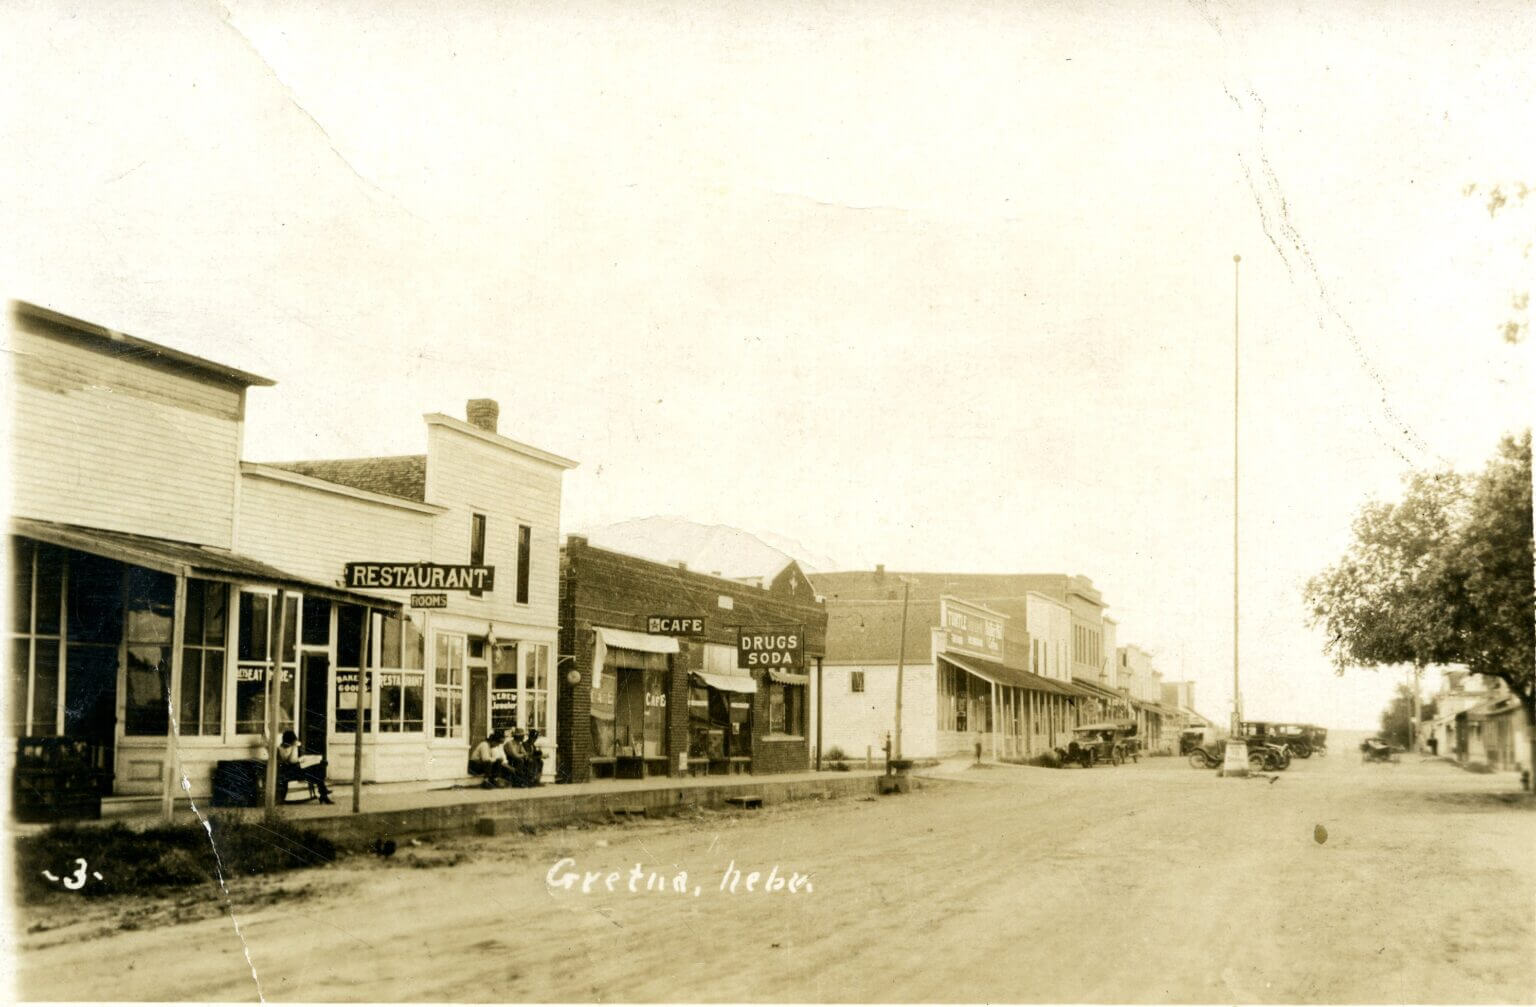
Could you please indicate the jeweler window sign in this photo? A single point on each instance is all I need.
(422, 576)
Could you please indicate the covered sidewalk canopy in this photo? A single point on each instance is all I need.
(1034, 712)
(186, 559)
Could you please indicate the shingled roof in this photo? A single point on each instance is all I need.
(403, 476)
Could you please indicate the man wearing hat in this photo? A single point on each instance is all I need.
(516, 754)
(488, 760)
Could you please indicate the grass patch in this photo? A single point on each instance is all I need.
(163, 856)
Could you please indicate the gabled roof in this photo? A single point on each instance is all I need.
(403, 476)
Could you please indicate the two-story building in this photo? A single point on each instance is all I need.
(464, 656)
(972, 673)
(129, 594)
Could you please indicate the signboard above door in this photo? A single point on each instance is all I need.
(422, 576)
(675, 625)
(765, 649)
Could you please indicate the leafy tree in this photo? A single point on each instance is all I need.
(1399, 714)
(1443, 576)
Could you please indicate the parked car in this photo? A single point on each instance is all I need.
(1378, 750)
(1317, 737)
(1295, 737)
(1261, 756)
(1109, 741)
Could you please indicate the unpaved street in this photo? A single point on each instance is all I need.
(1152, 882)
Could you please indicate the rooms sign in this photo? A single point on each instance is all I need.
(422, 576)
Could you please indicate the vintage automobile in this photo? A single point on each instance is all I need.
(1317, 737)
(1190, 740)
(1262, 738)
(1111, 741)
(1377, 750)
(1213, 753)
(1295, 737)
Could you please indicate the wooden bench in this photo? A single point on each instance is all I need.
(745, 800)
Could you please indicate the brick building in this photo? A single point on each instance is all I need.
(648, 676)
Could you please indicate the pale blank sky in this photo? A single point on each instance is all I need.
(938, 287)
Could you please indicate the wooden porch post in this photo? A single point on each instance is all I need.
(357, 743)
(173, 700)
(274, 696)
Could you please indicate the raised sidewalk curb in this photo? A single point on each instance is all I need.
(547, 806)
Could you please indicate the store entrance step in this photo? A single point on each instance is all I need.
(631, 810)
(745, 801)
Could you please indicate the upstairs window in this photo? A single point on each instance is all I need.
(855, 681)
(524, 554)
(476, 546)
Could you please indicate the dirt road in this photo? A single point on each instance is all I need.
(1152, 882)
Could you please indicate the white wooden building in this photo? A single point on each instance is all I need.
(146, 562)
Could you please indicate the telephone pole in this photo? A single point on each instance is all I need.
(1235, 759)
(901, 660)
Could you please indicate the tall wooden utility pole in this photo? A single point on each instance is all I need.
(901, 660)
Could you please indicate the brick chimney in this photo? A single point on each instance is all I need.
(483, 413)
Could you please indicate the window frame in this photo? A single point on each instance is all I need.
(524, 561)
(477, 535)
(455, 728)
(856, 682)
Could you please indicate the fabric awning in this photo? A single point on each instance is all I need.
(727, 683)
(186, 559)
(624, 639)
(788, 677)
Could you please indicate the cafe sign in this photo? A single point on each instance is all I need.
(675, 625)
(770, 649)
(422, 576)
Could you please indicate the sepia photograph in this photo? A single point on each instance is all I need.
(785, 502)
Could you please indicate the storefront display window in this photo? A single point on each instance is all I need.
(254, 663)
(504, 688)
(402, 683)
(151, 603)
(202, 659)
(786, 709)
(37, 592)
(536, 681)
(448, 687)
(604, 710)
(349, 643)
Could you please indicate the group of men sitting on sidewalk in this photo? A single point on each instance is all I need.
(508, 762)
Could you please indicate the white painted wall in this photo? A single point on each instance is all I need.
(109, 442)
(853, 721)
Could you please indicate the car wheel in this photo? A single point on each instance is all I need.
(1256, 762)
(1198, 760)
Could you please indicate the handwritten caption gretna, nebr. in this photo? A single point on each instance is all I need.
(637, 879)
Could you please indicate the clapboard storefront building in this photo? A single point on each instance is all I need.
(465, 539)
(667, 671)
(129, 594)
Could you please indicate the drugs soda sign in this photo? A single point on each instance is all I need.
(761, 649)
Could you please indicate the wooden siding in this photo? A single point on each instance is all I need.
(111, 442)
(471, 476)
(314, 533)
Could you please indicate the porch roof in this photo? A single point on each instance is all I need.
(185, 558)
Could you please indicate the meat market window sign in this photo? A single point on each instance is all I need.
(422, 576)
(763, 649)
(675, 625)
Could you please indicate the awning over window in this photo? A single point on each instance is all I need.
(1003, 674)
(788, 677)
(727, 683)
(186, 559)
(624, 639)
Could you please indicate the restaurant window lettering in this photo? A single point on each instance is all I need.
(349, 649)
(402, 678)
(253, 665)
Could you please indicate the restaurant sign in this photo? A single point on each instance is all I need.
(675, 625)
(770, 649)
(422, 576)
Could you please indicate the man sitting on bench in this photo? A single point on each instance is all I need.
(293, 764)
(488, 761)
